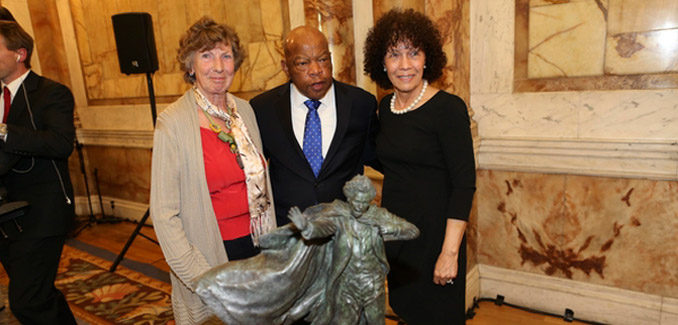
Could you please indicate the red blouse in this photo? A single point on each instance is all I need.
(226, 183)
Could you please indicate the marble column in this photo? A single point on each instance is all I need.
(335, 19)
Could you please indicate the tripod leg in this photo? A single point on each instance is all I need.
(130, 240)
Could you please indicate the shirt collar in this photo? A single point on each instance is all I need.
(16, 83)
(298, 99)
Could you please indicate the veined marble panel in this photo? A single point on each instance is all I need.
(637, 16)
(72, 55)
(648, 52)
(259, 25)
(363, 19)
(631, 114)
(261, 70)
(335, 19)
(124, 173)
(638, 114)
(271, 19)
(492, 28)
(606, 231)
(566, 40)
(451, 17)
(526, 115)
(296, 9)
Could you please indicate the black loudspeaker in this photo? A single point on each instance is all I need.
(135, 42)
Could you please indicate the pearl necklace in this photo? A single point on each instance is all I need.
(411, 106)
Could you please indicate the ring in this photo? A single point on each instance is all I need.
(450, 281)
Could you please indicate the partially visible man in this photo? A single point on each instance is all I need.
(317, 132)
(37, 126)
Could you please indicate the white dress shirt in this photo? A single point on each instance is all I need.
(13, 89)
(327, 112)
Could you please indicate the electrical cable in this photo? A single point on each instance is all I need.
(568, 315)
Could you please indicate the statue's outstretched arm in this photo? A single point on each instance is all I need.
(318, 227)
(391, 227)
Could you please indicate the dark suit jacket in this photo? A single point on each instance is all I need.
(351, 148)
(34, 178)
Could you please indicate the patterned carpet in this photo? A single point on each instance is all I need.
(97, 296)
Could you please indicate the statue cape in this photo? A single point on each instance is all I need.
(290, 278)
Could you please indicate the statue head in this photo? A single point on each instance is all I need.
(359, 193)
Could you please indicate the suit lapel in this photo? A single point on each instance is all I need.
(343, 103)
(18, 107)
(285, 118)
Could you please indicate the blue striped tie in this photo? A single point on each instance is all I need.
(313, 142)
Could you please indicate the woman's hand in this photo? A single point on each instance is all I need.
(446, 268)
(447, 265)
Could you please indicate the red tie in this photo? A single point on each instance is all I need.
(8, 102)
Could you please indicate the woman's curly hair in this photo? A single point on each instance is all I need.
(203, 35)
(407, 26)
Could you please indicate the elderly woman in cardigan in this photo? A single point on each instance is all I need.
(210, 197)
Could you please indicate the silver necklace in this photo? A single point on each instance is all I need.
(411, 106)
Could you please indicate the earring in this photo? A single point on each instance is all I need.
(424, 66)
(384, 69)
(191, 75)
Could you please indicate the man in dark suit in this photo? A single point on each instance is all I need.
(317, 132)
(38, 129)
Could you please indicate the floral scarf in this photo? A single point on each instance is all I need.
(253, 164)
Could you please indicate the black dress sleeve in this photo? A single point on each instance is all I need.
(456, 142)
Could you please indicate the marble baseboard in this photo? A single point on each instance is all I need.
(116, 138)
(588, 301)
(669, 311)
(472, 285)
(123, 209)
(609, 158)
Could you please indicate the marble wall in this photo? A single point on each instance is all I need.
(596, 44)
(578, 174)
(611, 231)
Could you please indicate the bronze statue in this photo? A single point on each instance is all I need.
(328, 266)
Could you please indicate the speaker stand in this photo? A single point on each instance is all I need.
(142, 222)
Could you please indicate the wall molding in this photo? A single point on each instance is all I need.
(116, 138)
(124, 209)
(588, 301)
(592, 157)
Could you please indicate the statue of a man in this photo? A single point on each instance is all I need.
(359, 231)
(328, 266)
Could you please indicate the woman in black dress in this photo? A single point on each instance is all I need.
(426, 150)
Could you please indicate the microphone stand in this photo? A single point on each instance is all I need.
(142, 222)
(91, 219)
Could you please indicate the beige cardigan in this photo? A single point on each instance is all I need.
(181, 209)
